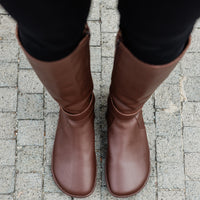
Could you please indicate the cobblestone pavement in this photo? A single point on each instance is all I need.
(28, 117)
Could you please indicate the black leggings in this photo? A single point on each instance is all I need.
(155, 31)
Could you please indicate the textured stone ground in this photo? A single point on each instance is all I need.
(28, 117)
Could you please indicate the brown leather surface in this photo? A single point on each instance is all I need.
(133, 82)
(69, 82)
(73, 160)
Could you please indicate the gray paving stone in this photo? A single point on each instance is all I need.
(30, 132)
(190, 64)
(97, 90)
(50, 104)
(191, 139)
(103, 125)
(192, 88)
(51, 124)
(192, 167)
(103, 128)
(148, 111)
(107, 24)
(153, 162)
(107, 67)
(30, 106)
(108, 44)
(94, 13)
(195, 46)
(28, 186)
(182, 90)
(95, 61)
(7, 28)
(192, 190)
(7, 180)
(7, 152)
(99, 165)
(171, 195)
(94, 33)
(8, 125)
(6, 197)
(48, 151)
(96, 79)
(170, 175)
(169, 149)
(23, 62)
(8, 74)
(103, 164)
(29, 82)
(168, 97)
(174, 76)
(29, 159)
(168, 123)
(197, 23)
(9, 51)
(191, 114)
(53, 196)
(112, 4)
(151, 134)
(97, 130)
(49, 184)
(8, 99)
(2, 10)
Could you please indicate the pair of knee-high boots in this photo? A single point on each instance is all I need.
(69, 82)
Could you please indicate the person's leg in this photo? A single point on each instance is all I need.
(49, 30)
(55, 40)
(157, 31)
(153, 38)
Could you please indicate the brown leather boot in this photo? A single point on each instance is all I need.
(133, 82)
(69, 82)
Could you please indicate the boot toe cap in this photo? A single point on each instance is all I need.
(127, 182)
(128, 191)
(76, 186)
